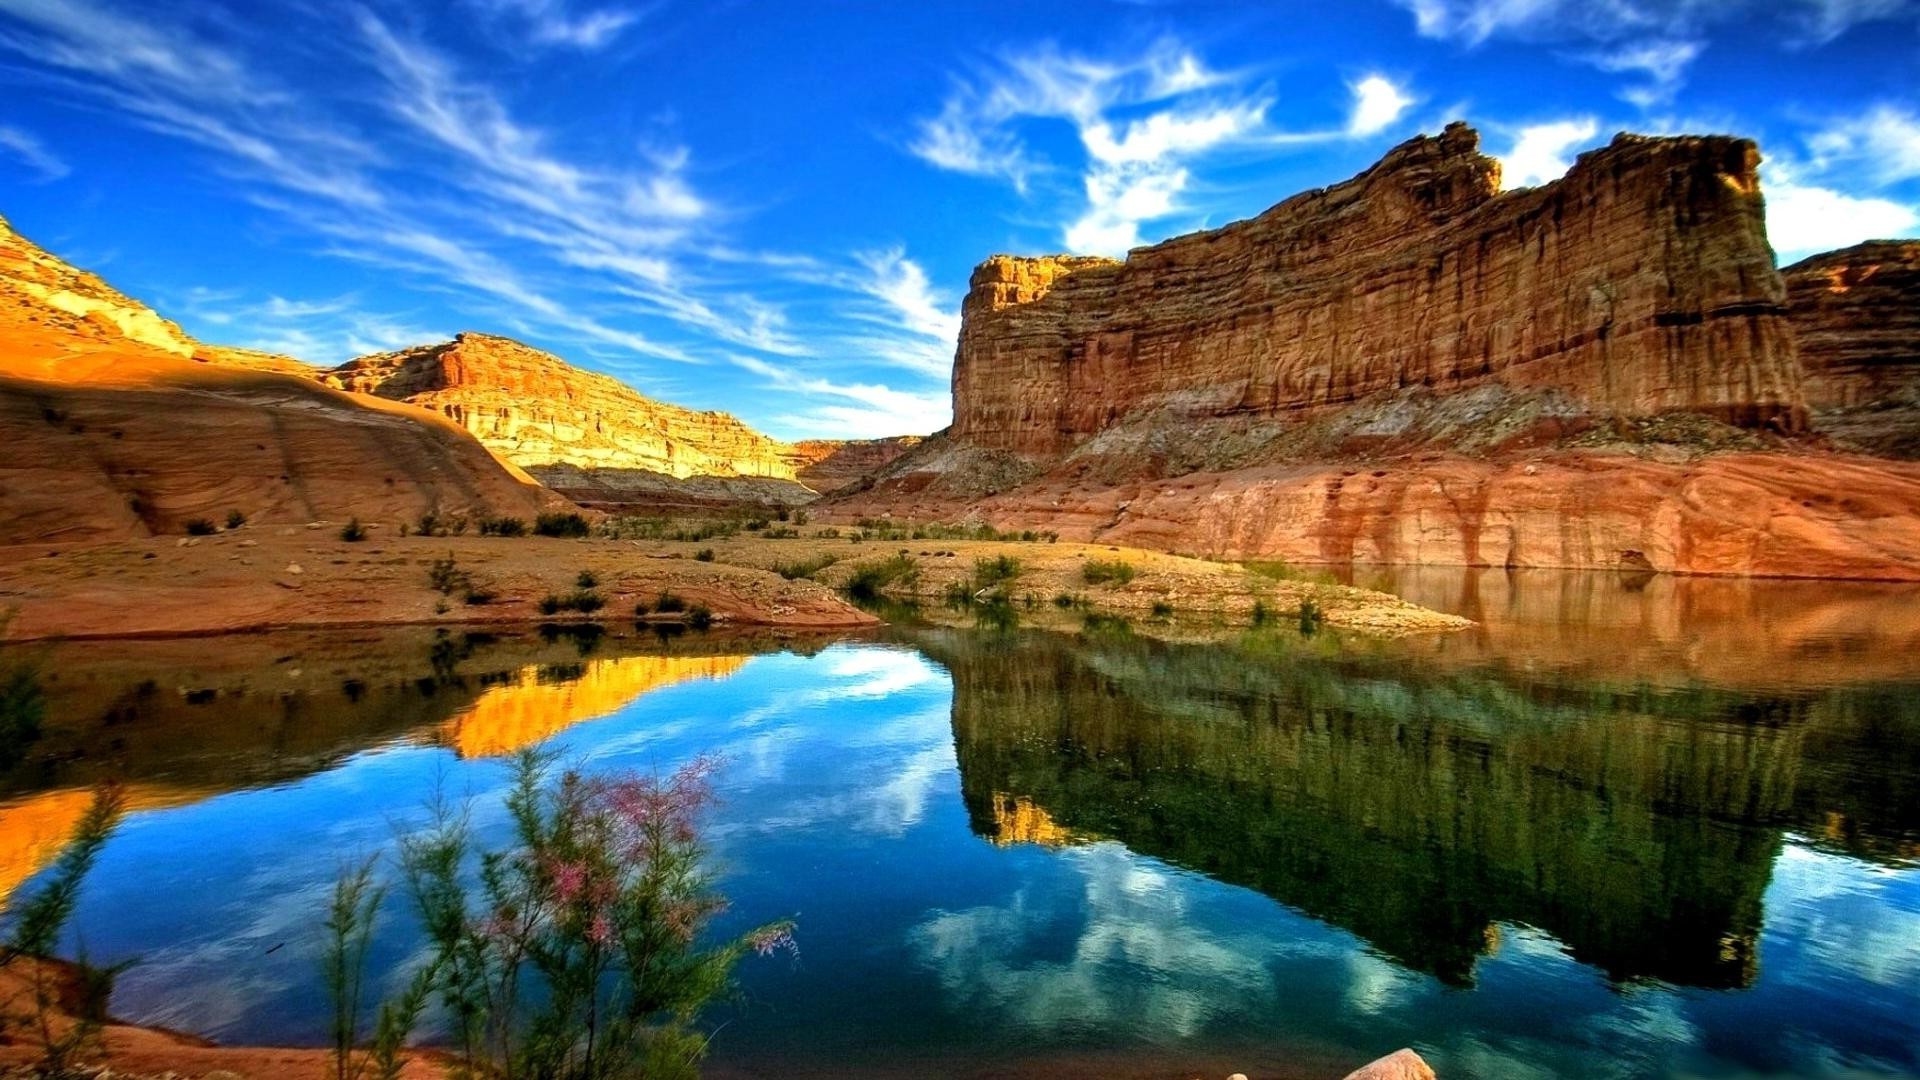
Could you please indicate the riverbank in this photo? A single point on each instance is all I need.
(269, 578)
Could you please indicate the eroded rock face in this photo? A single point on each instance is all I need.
(828, 465)
(1641, 282)
(1856, 313)
(534, 409)
(117, 425)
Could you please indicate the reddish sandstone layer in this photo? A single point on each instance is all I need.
(1856, 314)
(536, 410)
(1639, 283)
(116, 425)
(828, 465)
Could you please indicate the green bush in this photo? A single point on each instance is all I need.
(1310, 617)
(994, 570)
(1106, 571)
(872, 579)
(199, 527)
(1261, 616)
(668, 603)
(558, 523)
(445, 576)
(804, 568)
(1162, 609)
(502, 526)
(703, 555)
(353, 532)
(235, 519)
(587, 579)
(699, 616)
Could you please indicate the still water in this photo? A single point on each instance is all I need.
(1622, 828)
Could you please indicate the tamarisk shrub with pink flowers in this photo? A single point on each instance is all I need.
(580, 954)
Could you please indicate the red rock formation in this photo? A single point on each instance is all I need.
(828, 465)
(1856, 313)
(536, 410)
(1410, 367)
(116, 425)
(1640, 283)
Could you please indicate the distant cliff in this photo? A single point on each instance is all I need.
(828, 465)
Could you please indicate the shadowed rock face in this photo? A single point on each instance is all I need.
(1640, 283)
(827, 465)
(1856, 313)
(119, 425)
(1423, 810)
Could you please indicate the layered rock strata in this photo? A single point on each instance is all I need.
(536, 410)
(1641, 282)
(1856, 315)
(829, 465)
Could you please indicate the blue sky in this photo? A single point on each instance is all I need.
(772, 207)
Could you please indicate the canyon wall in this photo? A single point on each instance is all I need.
(1856, 314)
(534, 409)
(1640, 283)
(828, 465)
(119, 425)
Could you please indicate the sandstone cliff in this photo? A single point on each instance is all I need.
(119, 425)
(1641, 283)
(828, 465)
(1412, 366)
(585, 434)
(1856, 314)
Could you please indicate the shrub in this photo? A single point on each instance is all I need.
(353, 532)
(870, 580)
(1310, 617)
(581, 949)
(433, 523)
(235, 519)
(583, 601)
(445, 576)
(559, 523)
(804, 568)
(478, 596)
(703, 555)
(782, 514)
(800, 517)
(642, 609)
(756, 524)
(1162, 609)
(668, 604)
(699, 616)
(1106, 571)
(23, 708)
(502, 526)
(994, 570)
(1065, 600)
(550, 604)
(1261, 616)
(199, 527)
(587, 579)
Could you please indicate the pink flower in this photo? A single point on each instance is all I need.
(600, 931)
(766, 941)
(568, 878)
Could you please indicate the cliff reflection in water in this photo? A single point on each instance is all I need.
(1423, 807)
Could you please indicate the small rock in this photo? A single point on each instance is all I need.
(249, 543)
(1399, 1065)
(295, 568)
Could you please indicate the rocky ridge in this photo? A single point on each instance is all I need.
(118, 425)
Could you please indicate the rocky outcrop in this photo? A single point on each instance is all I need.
(538, 411)
(1641, 283)
(118, 425)
(828, 465)
(1856, 314)
(1414, 367)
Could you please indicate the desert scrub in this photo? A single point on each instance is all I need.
(556, 523)
(579, 949)
(235, 519)
(580, 600)
(703, 555)
(434, 523)
(587, 579)
(23, 708)
(1162, 609)
(669, 604)
(870, 580)
(805, 568)
(502, 526)
(1106, 572)
(989, 571)
(700, 616)
(444, 576)
(353, 532)
(200, 527)
(1310, 617)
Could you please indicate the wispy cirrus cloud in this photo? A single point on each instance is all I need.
(27, 149)
(326, 331)
(1143, 123)
(557, 23)
(852, 409)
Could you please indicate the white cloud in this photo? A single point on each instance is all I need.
(919, 326)
(325, 331)
(1664, 63)
(29, 151)
(1377, 103)
(876, 411)
(1805, 219)
(1884, 144)
(551, 22)
(1144, 123)
(1542, 153)
(1810, 22)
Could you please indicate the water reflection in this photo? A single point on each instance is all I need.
(1634, 843)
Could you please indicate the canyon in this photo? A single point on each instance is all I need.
(1856, 315)
(1415, 366)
